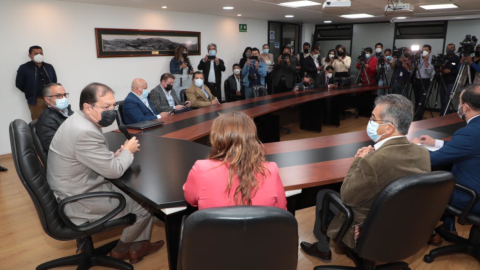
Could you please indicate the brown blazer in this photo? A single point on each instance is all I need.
(198, 99)
(369, 175)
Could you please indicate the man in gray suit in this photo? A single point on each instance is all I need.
(79, 161)
(164, 98)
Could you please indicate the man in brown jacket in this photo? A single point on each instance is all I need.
(199, 94)
(392, 157)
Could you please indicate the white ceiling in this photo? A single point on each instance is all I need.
(269, 10)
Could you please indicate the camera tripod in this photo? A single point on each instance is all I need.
(407, 89)
(382, 76)
(439, 84)
(359, 75)
(458, 82)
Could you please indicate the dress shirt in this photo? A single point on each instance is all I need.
(316, 64)
(145, 101)
(380, 143)
(170, 100)
(440, 143)
(205, 92)
(211, 75)
(239, 86)
(425, 72)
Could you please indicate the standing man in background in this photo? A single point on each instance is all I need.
(284, 72)
(422, 81)
(212, 68)
(449, 74)
(301, 58)
(32, 77)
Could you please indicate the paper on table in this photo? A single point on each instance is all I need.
(429, 148)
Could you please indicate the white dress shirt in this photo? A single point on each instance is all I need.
(380, 143)
(170, 99)
(440, 143)
(145, 101)
(211, 75)
(239, 86)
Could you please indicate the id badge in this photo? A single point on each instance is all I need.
(401, 74)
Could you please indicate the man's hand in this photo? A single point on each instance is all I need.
(188, 104)
(468, 59)
(205, 59)
(164, 114)
(247, 63)
(132, 145)
(402, 60)
(366, 65)
(427, 140)
(238, 93)
(119, 150)
(215, 102)
(446, 71)
(288, 61)
(296, 88)
(179, 107)
(184, 65)
(256, 64)
(217, 61)
(332, 86)
(319, 68)
(362, 152)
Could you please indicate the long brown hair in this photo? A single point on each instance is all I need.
(178, 51)
(235, 142)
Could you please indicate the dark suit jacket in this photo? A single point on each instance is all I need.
(205, 67)
(48, 123)
(135, 111)
(310, 67)
(463, 151)
(287, 71)
(369, 175)
(27, 76)
(159, 100)
(230, 86)
(320, 80)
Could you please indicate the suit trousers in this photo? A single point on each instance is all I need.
(217, 92)
(36, 110)
(323, 239)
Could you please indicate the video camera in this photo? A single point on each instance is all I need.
(416, 56)
(468, 45)
(362, 57)
(398, 52)
(438, 60)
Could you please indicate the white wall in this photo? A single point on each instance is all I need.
(307, 32)
(457, 30)
(65, 30)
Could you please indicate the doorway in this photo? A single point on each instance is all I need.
(281, 34)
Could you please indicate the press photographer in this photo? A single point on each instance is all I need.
(254, 73)
(378, 51)
(284, 71)
(422, 80)
(403, 63)
(367, 66)
(449, 72)
(474, 63)
(312, 64)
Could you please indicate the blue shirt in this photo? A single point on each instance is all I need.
(425, 72)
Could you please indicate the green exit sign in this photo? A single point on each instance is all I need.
(242, 27)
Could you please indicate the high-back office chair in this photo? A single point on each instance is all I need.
(183, 95)
(119, 116)
(469, 246)
(259, 91)
(41, 152)
(399, 223)
(52, 217)
(239, 238)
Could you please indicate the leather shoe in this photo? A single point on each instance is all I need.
(120, 255)
(435, 240)
(141, 249)
(312, 250)
(3, 169)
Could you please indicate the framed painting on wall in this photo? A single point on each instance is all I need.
(132, 43)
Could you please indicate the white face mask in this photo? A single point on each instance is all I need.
(424, 53)
(378, 50)
(329, 75)
(38, 58)
(236, 71)
(198, 83)
(315, 56)
(331, 55)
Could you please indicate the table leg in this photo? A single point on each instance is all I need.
(291, 204)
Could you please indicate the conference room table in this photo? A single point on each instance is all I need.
(160, 169)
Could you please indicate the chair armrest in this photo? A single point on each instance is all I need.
(466, 211)
(332, 198)
(97, 225)
(179, 260)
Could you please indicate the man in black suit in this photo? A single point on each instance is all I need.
(233, 85)
(313, 63)
(213, 80)
(325, 78)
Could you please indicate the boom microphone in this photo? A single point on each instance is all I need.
(124, 130)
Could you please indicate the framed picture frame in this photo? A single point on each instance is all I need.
(112, 42)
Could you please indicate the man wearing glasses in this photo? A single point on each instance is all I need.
(373, 168)
(54, 115)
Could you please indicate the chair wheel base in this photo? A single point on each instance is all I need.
(428, 259)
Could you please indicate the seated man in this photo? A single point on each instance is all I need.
(52, 117)
(199, 94)
(164, 98)
(305, 84)
(234, 87)
(137, 107)
(463, 151)
(79, 161)
(392, 157)
(325, 78)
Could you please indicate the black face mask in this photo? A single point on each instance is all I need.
(305, 51)
(184, 55)
(108, 117)
(169, 87)
(340, 53)
(450, 52)
(306, 84)
(477, 54)
(406, 55)
(254, 58)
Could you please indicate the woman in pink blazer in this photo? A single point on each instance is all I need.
(235, 172)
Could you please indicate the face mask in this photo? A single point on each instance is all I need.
(184, 55)
(450, 52)
(291, 51)
(266, 51)
(329, 75)
(367, 55)
(61, 104)
(378, 50)
(108, 117)
(198, 83)
(38, 58)
(424, 53)
(315, 56)
(340, 53)
(406, 55)
(145, 93)
(306, 84)
(331, 55)
(169, 87)
(305, 51)
(460, 114)
(477, 54)
(254, 57)
(372, 129)
(236, 71)
(390, 58)
(212, 53)
(248, 55)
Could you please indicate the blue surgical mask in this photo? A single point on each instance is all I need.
(372, 129)
(266, 50)
(367, 55)
(145, 93)
(460, 114)
(212, 52)
(61, 104)
(390, 58)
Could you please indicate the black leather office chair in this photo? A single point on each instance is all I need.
(259, 91)
(42, 152)
(119, 116)
(239, 238)
(183, 95)
(52, 217)
(470, 246)
(399, 223)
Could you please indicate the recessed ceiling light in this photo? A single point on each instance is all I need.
(442, 6)
(289, 16)
(227, 7)
(296, 4)
(400, 18)
(239, 15)
(327, 22)
(357, 16)
(164, 6)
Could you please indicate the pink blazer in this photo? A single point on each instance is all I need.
(207, 183)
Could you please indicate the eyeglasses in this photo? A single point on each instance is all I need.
(59, 96)
(108, 108)
(374, 120)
